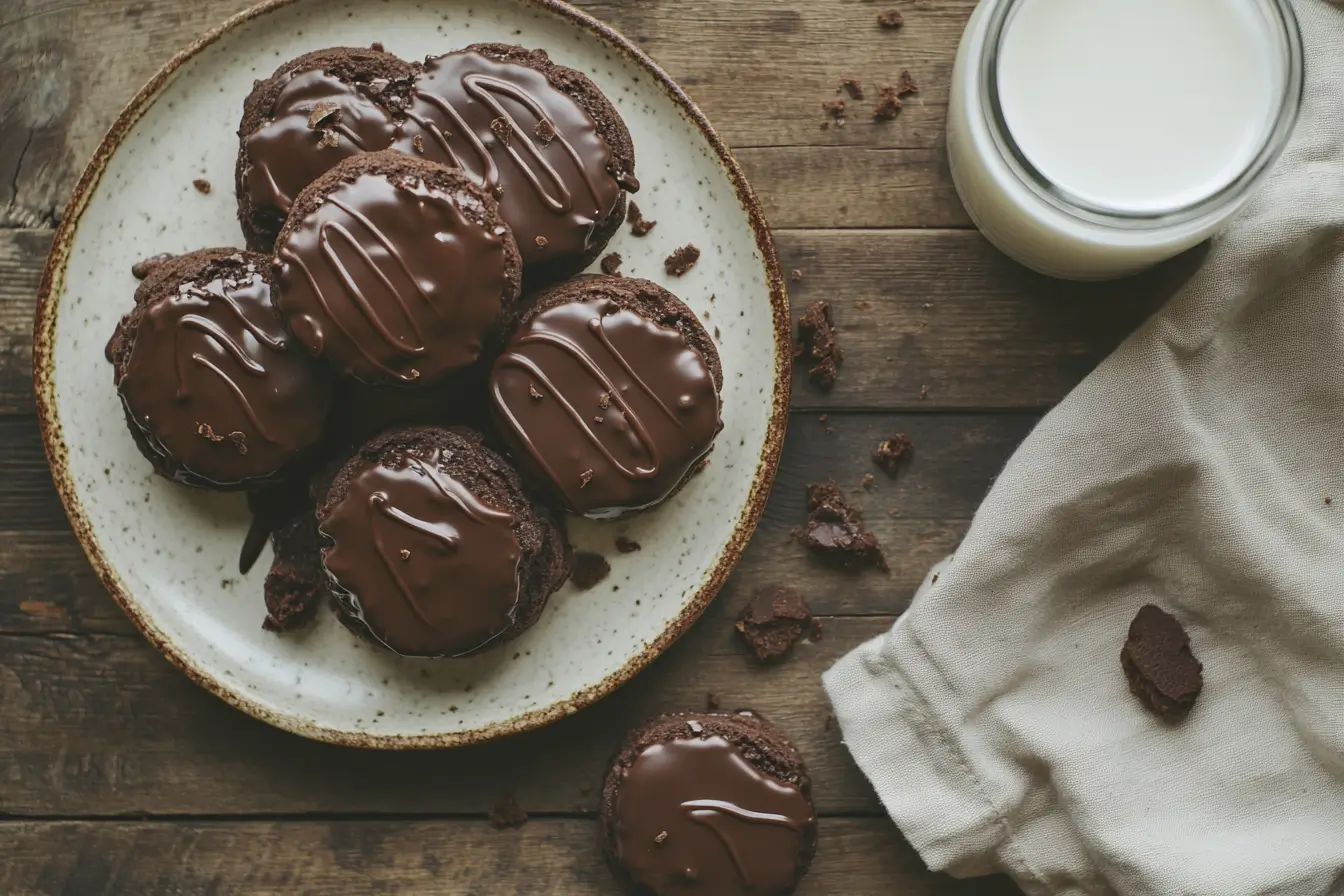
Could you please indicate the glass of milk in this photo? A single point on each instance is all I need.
(1091, 139)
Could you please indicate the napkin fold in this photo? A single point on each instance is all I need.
(1200, 468)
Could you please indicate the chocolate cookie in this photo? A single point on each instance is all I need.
(397, 270)
(1161, 668)
(297, 124)
(609, 394)
(543, 138)
(708, 803)
(432, 546)
(216, 393)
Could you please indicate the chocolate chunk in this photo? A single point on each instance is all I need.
(1159, 664)
(774, 620)
(639, 225)
(906, 85)
(891, 453)
(140, 270)
(817, 345)
(611, 265)
(682, 260)
(835, 532)
(834, 108)
(626, 546)
(506, 813)
(891, 19)
(590, 570)
(888, 104)
(853, 87)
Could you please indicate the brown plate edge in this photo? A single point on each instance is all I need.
(57, 454)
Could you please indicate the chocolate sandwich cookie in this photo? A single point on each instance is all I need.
(432, 546)
(708, 803)
(297, 124)
(216, 393)
(541, 137)
(397, 270)
(608, 393)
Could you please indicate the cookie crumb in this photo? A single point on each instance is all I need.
(867, 482)
(891, 19)
(626, 546)
(773, 621)
(604, 400)
(405, 553)
(905, 84)
(611, 264)
(923, 393)
(377, 47)
(202, 186)
(418, 143)
(506, 813)
(835, 532)
(545, 132)
(893, 452)
(853, 87)
(1162, 670)
(329, 139)
(817, 345)
(796, 275)
(140, 270)
(639, 225)
(661, 838)
(682, 260)
(585, 477)
(503, 129)
(542, 242)
(589, 570)
(834, 108)
(533, 393)
(888, 104)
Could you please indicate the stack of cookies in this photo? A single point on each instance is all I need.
(405, 369)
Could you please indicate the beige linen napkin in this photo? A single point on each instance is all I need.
(1191, 470)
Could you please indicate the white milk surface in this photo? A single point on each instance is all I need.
(1139, 106)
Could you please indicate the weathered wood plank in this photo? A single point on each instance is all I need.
(759, 69)
(857, 857)
(940, 309)
(100, 725)
(46, 585)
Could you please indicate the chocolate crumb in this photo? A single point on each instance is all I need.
(891, 19)
(503, 129)
(711, 701)
(202, 185)
(817, 345)
(626, 546)
(825, 125)
(585, 477)
(545, 132)
(717, 334)
(891, 453)
(321, 113)
(867, 482)
(377, 47)
(661, 838)
(140, 270)
(533, 393)
(854, 87)
(1161, 668)
(773, 621)
(405, 554)
(639, 225)
(611, 264)
(682, 260)
(589, 569)
(834, 108)
(905, 85)
(329, 139)
(239, 440)
(418, 143)
(604, 400)
(506, 813)
(888, 104)
(542, 242)
(796, 275)
(835, 532)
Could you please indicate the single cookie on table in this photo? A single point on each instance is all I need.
(297, 124)
(608, 394)
(543, 138)
(216, 393)
(434, 548)
(708, 803)
(397, 270)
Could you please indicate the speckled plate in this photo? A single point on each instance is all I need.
(168, 554)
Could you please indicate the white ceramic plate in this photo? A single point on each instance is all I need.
(168, 554)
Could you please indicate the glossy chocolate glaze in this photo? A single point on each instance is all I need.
(613, 409)
(694, 817)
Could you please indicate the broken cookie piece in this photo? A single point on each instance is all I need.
(681, 261)
(835, 532)
(296, 584)
(776, 619)
(639, 225)
(893, 452)
(589, 570)
(1161, 668)
(817, 345)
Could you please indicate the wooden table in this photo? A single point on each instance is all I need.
(118, 776)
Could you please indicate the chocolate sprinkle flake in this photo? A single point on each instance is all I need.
(681, 261)
(891, 19)
(585, 477)
(321, 112)
(418, 143)
(205, 430)
(545, 132)
(202, 185)
(639, 225)
(503, 129)
(854, 87)
(611, 264)
(533, 393)
(542, 242)
(661, 838)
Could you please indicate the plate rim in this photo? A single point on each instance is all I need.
(44, 327)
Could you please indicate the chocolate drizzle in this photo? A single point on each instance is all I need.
(394, 279)
(429, 568)
(484, 117)
(627, 407)
(216, 385)
(693, 816)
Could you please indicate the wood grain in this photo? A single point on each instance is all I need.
(859, 857)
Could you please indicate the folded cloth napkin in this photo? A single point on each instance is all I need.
(1194, 470)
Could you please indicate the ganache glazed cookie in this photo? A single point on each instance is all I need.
(297, 124)
(397, 270)
(434, 549)
(608, 394)
(711, 803)
(216, 393)
(543, 138)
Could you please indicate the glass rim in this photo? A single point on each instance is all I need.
(1275, 140)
